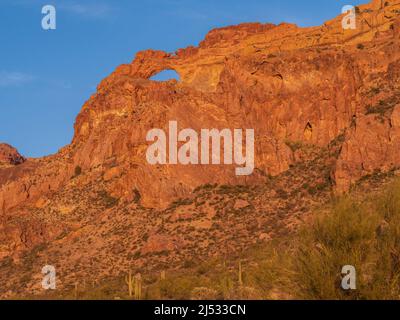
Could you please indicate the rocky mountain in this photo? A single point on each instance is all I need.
(324, 103)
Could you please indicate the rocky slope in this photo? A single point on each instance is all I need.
(325, 106)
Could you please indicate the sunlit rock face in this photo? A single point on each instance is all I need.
(287, 83)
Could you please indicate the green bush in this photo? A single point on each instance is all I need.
(365, 235)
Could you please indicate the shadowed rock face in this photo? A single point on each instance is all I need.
(313, 87)
(9, 155)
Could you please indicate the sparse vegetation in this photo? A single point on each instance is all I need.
(364, 233)
(374, 91)
(107, 200)
(276, 261)
(294, 145)
(384, 106)
(77, 172)
(136, 196)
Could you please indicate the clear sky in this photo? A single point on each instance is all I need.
(46, 76)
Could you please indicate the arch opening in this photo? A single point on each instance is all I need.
(166, 75)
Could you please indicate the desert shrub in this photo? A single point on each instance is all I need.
(384, 106)
(77, 171)
(206, 187)
(203, 293)
(107, 200)
(366, 236)
(136, 196)
(307, 264)
(374, 91)
(294, 145)
(205, 267)
(282, 193)
(272, 271)
(108, 289)
(244, 293)
(225, 189)
(180, 287)
(181, 202)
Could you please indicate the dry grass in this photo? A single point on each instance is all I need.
(365, 235)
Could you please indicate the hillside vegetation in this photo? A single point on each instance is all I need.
(363, 231)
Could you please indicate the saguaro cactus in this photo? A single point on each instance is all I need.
(240, 274)
(138, 286)
(162, 275)
(134, 285)
(130, 282)
(76, 290)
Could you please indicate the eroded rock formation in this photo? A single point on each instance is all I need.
(9, 156)
(301, 85)
(298, 88)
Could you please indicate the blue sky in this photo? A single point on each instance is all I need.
(46, 76)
